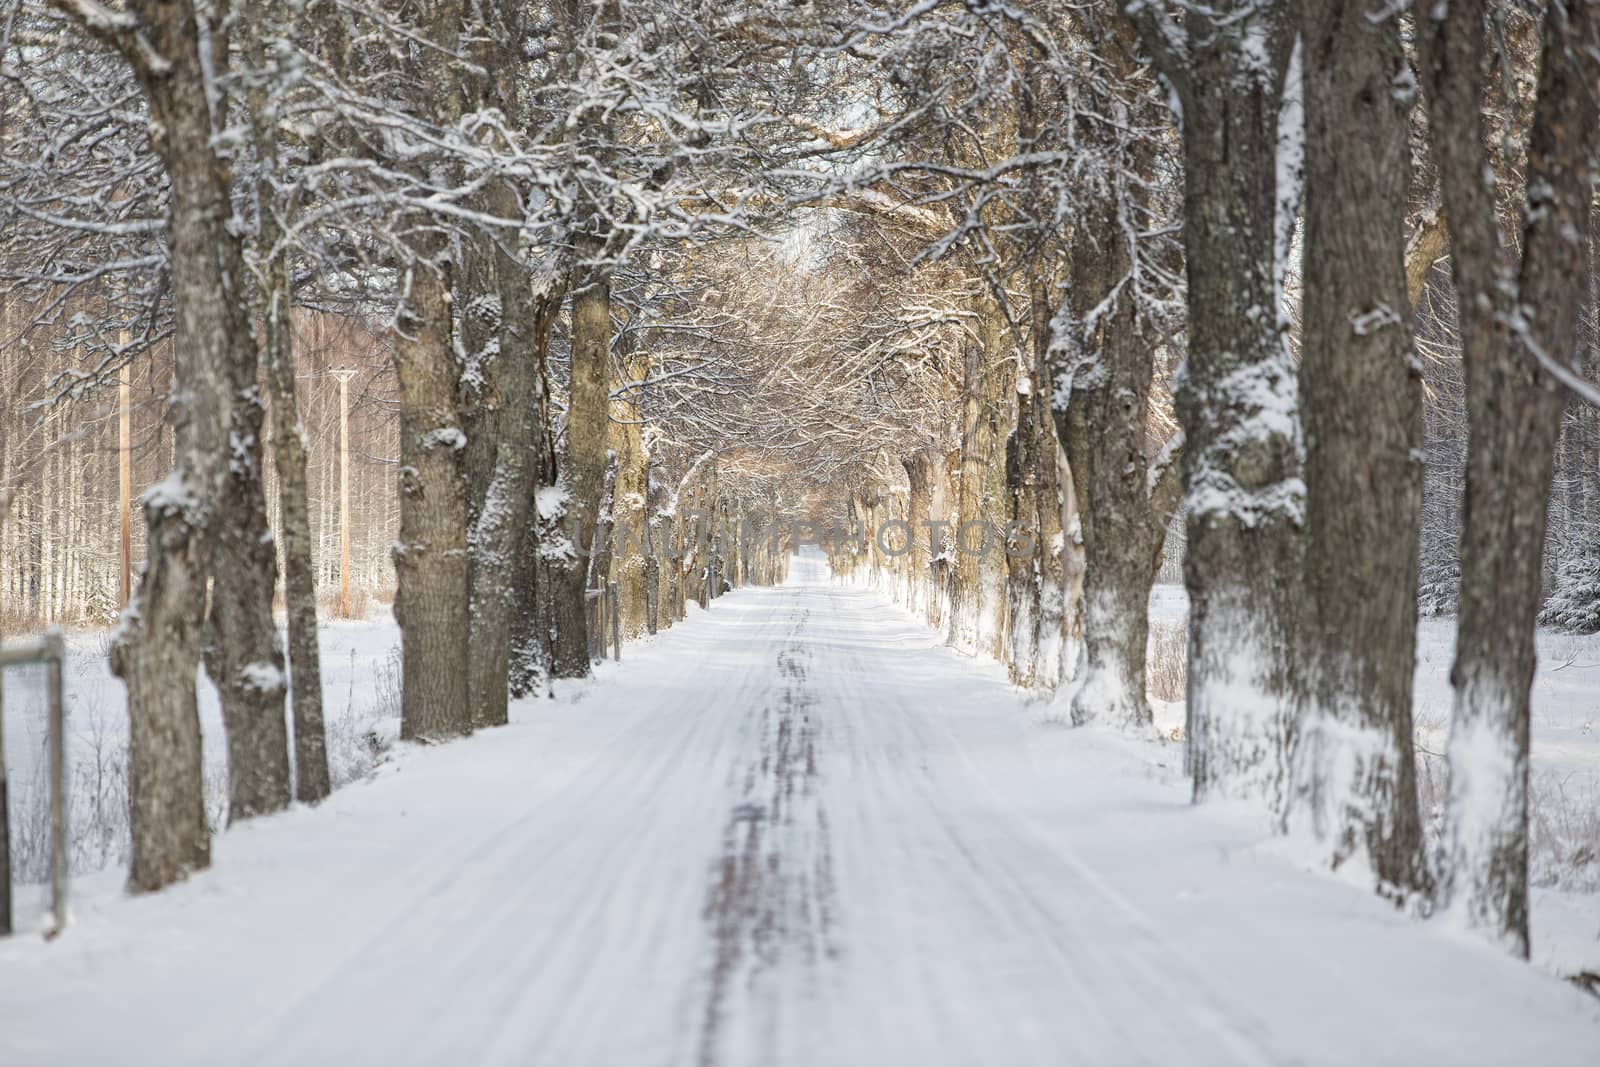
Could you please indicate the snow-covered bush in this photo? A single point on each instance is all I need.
(1440, 586)
(1574, 606)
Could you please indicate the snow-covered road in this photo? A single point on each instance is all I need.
(792, 830)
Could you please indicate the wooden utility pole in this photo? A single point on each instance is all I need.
(125, 478)
(344, 375)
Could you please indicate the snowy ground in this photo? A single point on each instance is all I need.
(1565, 775)
(360, 667)
(792, 830)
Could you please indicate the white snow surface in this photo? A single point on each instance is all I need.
(792, 830)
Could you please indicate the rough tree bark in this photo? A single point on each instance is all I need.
(1241, 460)
(1106, 363)
(977, 574)
(157, 646)
(431, 554)
(962, 569)
(1518, 333)
(629, 507)
(999, 411)
(242, 653)
(480, 325)
(585, 453)
(275, 311)
(504, 517)
(531, 637)
(1352, 773)
(919, 504)
(1022, 547)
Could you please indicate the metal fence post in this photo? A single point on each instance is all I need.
(5, 824)
(56, 650)
(51, 650)
(616, 622)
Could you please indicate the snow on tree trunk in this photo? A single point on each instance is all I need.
(1352, 776)
(242, 652)
(1236, 401)
(502, 517)
(276, 302)
(1518, 332)
(1022, 555)
(977, 571)
(1106, 387)
(532, 584)
(479, 324)
(156, 649)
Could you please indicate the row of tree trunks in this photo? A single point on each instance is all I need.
(1003, 590)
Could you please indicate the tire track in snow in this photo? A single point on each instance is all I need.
(771, 896)
(1004, 886)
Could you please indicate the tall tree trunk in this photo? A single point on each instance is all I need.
(1109, 389)
(300, 592)
(1352, 781)
(962, 571)
(157, 647)
(433, 584)
(919, 504)
(480, 325)
(504, 515)
(531, 637)
(275, 310)
(242, 652)
(1516, 337)
(586, 453)
(629, 508)
(999, 411)
(1237, 405)
(430, 556)
(978, 558)
(1022, 548)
